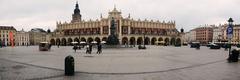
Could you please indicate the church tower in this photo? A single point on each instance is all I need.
(76, 16)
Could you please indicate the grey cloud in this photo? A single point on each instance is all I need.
(186, 13)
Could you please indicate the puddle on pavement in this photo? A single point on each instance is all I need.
(18, 67)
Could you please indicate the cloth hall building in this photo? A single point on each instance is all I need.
(128, 30)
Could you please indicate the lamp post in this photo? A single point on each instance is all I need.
(144, 39)
(230, 33)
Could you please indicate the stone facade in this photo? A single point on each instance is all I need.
(22, 38)
(204, 35)
(4, 35)
(128, 30)
(217, 34)
(37, 35)
(190, 36)
(236, 33)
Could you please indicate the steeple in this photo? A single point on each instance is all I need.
(129, 15)
(76, 5)
(101, 15)
(76, 10)
(76, 16)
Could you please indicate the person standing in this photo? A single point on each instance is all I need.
(99, 49)
(87, 49)
(0, 44)
(49, 47)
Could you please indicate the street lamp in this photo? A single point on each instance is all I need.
(230, 33)
(144, 39)
(230, 21)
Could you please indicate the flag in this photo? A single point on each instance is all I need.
(229, 31)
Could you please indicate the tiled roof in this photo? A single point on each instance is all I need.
(7, 28)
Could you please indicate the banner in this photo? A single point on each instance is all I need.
(11, 39)
(229, 31)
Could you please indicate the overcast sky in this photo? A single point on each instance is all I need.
(188, 14)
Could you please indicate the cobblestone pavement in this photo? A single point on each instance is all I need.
(11, 70)
(155, 63)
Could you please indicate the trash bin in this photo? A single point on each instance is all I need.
(69, 66)
(235, 55)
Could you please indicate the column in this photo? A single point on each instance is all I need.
(129, 29)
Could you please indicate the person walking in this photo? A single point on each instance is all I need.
(75, 48)
(99, 49)
(90, 48)
(87, 49)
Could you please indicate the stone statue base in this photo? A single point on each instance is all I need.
(112, 40)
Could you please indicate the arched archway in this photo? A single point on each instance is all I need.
(147, 41)
(124, 40)
(52, 42)
(172, 42)
(153, 41)
(178, 41)
(132, 41)
(97, 39)
(76, 40)
(83, 39)
(89, 40)
(104, 39)
(139, 40)
(58, 41)
(166, 41)
(64, 42)
(70, 41)
(160, 39)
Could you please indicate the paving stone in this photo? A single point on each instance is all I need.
(155, 63)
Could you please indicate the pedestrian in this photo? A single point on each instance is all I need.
(58, 45)
(99, 49)
(90, 48)
(75, 48)
(0, 44)
(87, 49)
(49, 47)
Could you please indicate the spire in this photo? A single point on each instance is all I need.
(76, 6)
(129, 15)
(76, 17)
(182, 30)
(76, 10)
(115, 7)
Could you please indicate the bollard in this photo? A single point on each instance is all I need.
(69, 66)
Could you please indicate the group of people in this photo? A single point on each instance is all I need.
(89, 48)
